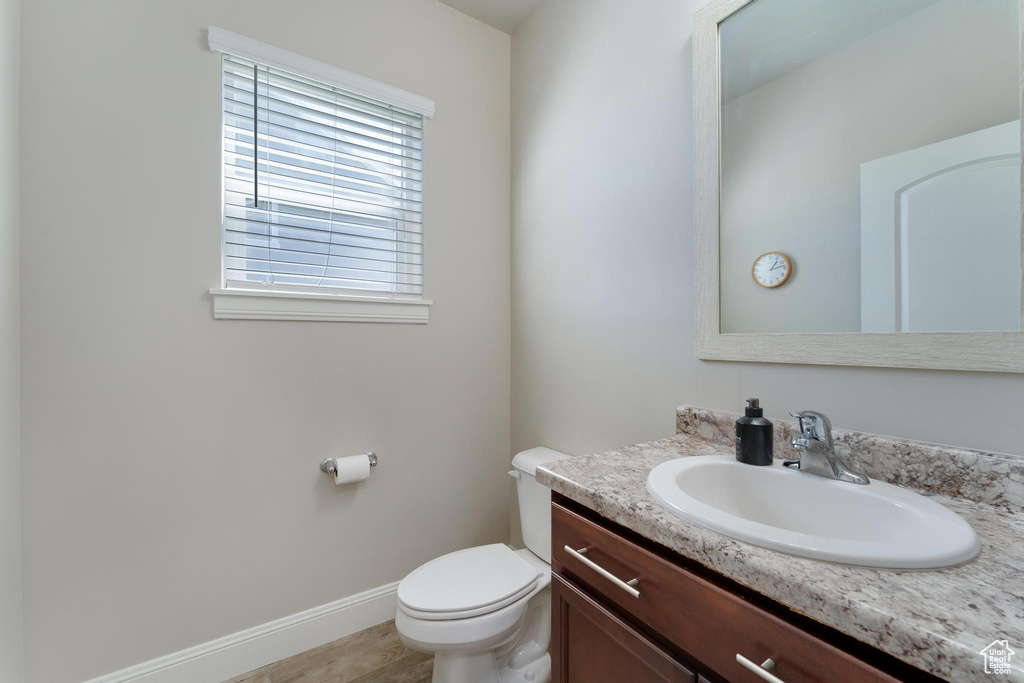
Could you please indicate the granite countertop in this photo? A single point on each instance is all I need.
(937, 620)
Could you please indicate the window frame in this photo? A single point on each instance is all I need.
(254, 302)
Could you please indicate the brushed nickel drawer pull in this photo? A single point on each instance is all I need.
(762, 670)
(628, 586)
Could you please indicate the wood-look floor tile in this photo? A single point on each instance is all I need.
(416, 668)
(377, 650)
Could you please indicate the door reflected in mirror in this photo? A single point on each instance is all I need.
(875, 144)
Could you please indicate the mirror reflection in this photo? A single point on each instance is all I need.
(870, 166)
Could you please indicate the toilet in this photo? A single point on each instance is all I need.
(485, 612)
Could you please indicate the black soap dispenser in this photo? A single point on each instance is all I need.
(754, 436)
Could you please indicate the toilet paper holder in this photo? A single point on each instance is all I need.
(327, 465)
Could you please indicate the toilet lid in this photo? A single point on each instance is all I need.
(468, 580)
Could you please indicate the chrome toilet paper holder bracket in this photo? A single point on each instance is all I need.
(328, 466)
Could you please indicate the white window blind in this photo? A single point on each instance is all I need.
(323, 188)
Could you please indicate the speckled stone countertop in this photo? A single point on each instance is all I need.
(937, 620)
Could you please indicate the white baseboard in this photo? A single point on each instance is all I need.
(252, 648)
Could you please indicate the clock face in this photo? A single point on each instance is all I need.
(772, 269)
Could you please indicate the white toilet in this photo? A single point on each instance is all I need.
(485, 612)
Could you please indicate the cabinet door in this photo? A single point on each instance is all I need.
(590, 644)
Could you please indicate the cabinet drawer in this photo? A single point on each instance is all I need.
(707, 622)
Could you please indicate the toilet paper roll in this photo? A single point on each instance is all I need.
(351, 469)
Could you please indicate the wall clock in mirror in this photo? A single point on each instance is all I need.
(771, 269)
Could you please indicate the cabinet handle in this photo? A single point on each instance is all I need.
(628, 586)
(762, 670)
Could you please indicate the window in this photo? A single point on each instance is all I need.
(323, 186)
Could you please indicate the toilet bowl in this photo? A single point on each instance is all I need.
(485, 612)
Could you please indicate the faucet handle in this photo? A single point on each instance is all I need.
(814, 425)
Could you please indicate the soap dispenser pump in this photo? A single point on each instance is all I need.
(754, 436)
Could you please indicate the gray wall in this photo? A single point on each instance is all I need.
(10, 362)
(792, 151)
(171, 489)
(602, 283)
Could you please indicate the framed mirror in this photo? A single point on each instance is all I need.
(858, 183)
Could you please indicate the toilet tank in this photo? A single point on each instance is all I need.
(535, 499)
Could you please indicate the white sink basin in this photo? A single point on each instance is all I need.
(878, 525)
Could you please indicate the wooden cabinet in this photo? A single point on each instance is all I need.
(593, 644)
(670, 615)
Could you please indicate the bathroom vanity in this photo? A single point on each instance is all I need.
(681, 624)
(640, 594)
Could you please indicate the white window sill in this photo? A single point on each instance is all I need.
(251, 304)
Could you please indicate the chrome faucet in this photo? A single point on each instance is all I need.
(817, 450)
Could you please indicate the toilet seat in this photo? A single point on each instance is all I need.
(475, 633)
(467, 583)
